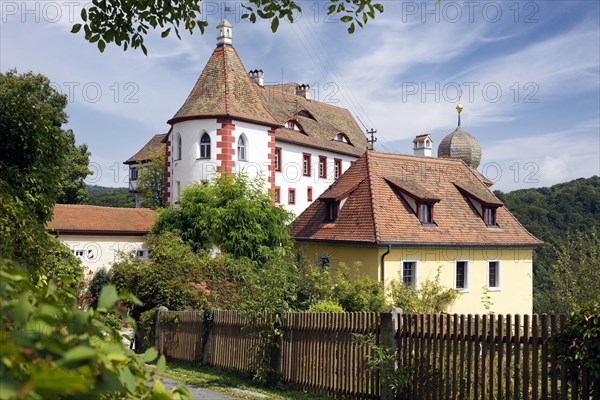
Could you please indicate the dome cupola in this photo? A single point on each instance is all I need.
(461, 145)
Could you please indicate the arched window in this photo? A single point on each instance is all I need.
(178, 147)
(205, 146)
(242, 148)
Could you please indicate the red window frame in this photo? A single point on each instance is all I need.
(277, 159)
(309, 193)
(323, 171)
(337, 167)
(277, 194)
(291, 196)
(306, 167)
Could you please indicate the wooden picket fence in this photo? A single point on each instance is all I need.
(486, 357)
(447, 356)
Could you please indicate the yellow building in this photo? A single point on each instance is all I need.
(406, 217)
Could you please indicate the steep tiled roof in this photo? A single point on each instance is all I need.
(74, 218)
(375, 212)
(329, 120)
(149, 148)
(224, 89)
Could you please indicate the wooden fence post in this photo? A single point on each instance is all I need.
(157, 334)
(207, 325)
(388, 339)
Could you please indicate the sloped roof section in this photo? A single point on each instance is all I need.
(387, 219)
(483, 196)
(329, 120)
(412, 188)
(77, 218)
(224, 89)
(148, 150)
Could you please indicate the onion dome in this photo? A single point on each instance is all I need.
(461, 145)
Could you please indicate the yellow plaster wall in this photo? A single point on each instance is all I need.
(513, 297)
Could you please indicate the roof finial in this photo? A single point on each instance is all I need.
(459, 106)
(224, 33)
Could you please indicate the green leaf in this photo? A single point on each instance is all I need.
(22, 309)
(76, 28)
(150, 355)
(346, 18)
(275, 24)
(351, 28)
(161, 365)
(165, 33)
(379, 7)
(108, 296)
(101, 46)
(84, 14)
(79, 353)
(94, 38)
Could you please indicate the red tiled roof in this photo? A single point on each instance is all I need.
(73, 218)
(148, 150)
(375, 213)
(224, 89)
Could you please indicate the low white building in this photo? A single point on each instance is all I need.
(232, 122)
(97, 235)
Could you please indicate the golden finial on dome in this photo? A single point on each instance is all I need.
(459, 107)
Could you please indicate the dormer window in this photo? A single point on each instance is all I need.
(331, 211)
(425, 213)
(489, 216)
(341, 137)
(306, 114)
(294, 125)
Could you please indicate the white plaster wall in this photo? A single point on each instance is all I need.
(257, 150)
(102, 251)
(190, 168)
(291, 174)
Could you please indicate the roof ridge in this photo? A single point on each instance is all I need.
(107, 207)
(371, 193)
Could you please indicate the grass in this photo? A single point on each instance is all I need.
(225, 381)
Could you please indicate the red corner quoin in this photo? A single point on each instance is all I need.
(226, 142)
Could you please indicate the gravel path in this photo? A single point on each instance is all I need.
(199, 393)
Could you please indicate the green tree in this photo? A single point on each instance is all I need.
(233, 214)
(34, 163)
(109, 197)
(575, 276)
(73, 188)
(126, 23)
(151, 180)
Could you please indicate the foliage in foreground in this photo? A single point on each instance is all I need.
(50, 349)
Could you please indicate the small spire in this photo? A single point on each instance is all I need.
(224, 33)
(459, 107)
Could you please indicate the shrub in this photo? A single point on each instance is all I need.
(99, 280)
(356, 291)
(329, 306)
(432, 297)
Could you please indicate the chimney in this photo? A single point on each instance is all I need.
(257, 76)
(303, 90)
(423, 145)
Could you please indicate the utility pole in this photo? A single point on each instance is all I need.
(371, 132)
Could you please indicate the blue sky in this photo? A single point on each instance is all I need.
(530, 73)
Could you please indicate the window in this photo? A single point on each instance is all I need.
(309, 194)
(177, 190)
(292, 196)
(306, 164)
(494, 274)
(291, 125)
(141, 254)
(337, 168)
(79, 253)
(341, 137)
(306, 113)
(277, 195)
(409, 273)
(178, 147)
(425, 213)
(278, 159)
(205, 146)
(322, 167)
(242, 148)
(133, 174)
(324, 262)
(489, 216)
(461, 276)
(331, 211)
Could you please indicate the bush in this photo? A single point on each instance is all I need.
(578, 345)
(356, 291)
(430, 298)
(99, 280)
(329, 306)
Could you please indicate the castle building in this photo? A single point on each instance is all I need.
(233, 122)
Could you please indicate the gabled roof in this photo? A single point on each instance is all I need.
(224, 89)
(329, 120)
(374, 213)
(86, 219)
(148, 150)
